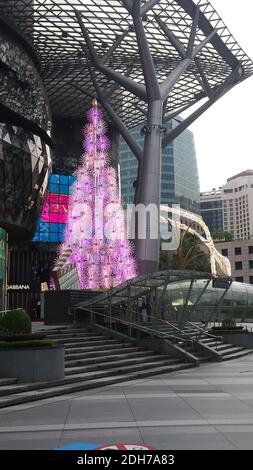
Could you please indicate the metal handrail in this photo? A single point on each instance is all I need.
(204, 331)
(161, 321)
(138, 326)
(216, 338)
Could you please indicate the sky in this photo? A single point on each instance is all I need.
(223, 135)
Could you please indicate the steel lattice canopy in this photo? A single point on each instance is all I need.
(53, 30)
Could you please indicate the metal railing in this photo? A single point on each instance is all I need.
(206, 334)
(133, 326)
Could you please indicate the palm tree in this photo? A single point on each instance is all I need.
(188, 256)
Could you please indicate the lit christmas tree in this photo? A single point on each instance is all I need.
(95, 234)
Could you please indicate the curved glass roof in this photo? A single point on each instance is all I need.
(52, 28)
(181, 296)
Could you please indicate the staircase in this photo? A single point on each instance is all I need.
(227, 351)
(91, 360)
(204, 345)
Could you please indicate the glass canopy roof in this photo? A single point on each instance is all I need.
(179, 296)
(52, 29)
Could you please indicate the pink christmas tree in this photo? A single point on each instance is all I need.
(95, 235)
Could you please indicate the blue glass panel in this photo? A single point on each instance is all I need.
(55, 179)
(72, 179)
(64, 179)
(54, 227)
(36, 237)
(53, 188)
(44, 237)
(64, 189)
(54, 237)
(62, 227)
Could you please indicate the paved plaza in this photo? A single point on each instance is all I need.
(210, 407)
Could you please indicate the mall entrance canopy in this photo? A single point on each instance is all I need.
(146, 61)
(178, 296)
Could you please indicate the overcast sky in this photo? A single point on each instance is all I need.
(223, 135)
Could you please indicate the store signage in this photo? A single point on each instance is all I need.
(18, 287)
(222, 283)
(55, 209)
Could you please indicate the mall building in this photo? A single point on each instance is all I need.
(46, 88)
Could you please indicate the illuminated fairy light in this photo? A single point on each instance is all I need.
(216, 258)
(100, 262)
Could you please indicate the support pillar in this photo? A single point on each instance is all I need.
(148, 246)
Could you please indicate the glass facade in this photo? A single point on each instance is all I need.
(54, 215)
(179, 172)
(212, 213)
(3, 268)
(237, 302)
(24, 169)
(183, 296)
(25, 159)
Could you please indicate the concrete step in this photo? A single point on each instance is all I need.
(78, 339)
(67, 330)
(142, 363)
(100, 342)
(225, 346)
(79, 360)
(99, 348)
(236, 355)
(212, 341)
(7, 381)
(231, 350)
(79, 335)
(58, 390)
(67, 380)
(114, 369)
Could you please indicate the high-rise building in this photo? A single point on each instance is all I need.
(179, 172)
(237, 200)
(231, 209)
(211, 209)
(240, 255)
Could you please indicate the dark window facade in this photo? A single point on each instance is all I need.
(211, 211)
(238, 250)
(224, 251)
(250, 249)
(251, 264)
(239, 279)
(238, 265)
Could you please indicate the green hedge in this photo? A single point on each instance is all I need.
(227, 330)
(15, 322)
(26, 344)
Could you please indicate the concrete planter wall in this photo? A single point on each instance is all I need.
(32, 364)
(240, 339)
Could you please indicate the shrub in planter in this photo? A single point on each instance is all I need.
(26, 344)
(228, 329)
(15, 322)
(22, 337)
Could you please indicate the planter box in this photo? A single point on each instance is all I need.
(34, 364)
(240, 339)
